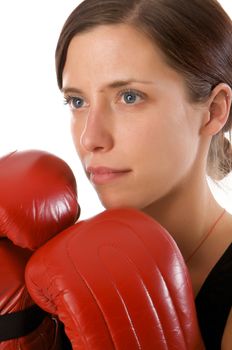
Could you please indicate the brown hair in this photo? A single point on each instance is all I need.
(195, 37)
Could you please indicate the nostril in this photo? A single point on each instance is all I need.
(95, 139)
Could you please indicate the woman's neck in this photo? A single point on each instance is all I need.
(187, 214)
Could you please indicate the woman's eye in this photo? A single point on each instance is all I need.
(74, 102)
(131, 97)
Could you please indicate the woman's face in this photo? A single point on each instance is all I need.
(134, 129)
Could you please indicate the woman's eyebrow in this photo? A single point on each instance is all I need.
(121, 83)
(68, 90)
(113, 85)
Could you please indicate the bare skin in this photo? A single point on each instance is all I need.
(131, 113)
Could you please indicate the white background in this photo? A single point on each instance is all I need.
(32, 114)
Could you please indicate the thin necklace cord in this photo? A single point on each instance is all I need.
(206, 236)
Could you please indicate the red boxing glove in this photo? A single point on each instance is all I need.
(117, 281)
(38, 199)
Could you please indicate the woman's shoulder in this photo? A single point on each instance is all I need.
(221, 272)
(214, 300)
(219, 279)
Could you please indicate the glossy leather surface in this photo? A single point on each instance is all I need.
(38, 199)
(117, 281)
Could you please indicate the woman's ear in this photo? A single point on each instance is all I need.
(218, 109)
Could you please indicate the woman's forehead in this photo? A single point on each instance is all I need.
(115, 48)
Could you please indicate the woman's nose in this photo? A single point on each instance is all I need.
(97, 133)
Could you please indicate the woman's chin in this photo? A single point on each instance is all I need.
(114, 202)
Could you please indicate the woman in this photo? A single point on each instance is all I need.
(149, 85)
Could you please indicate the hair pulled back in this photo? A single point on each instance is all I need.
(195, 37)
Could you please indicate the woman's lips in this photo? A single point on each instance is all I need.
(103, 175)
